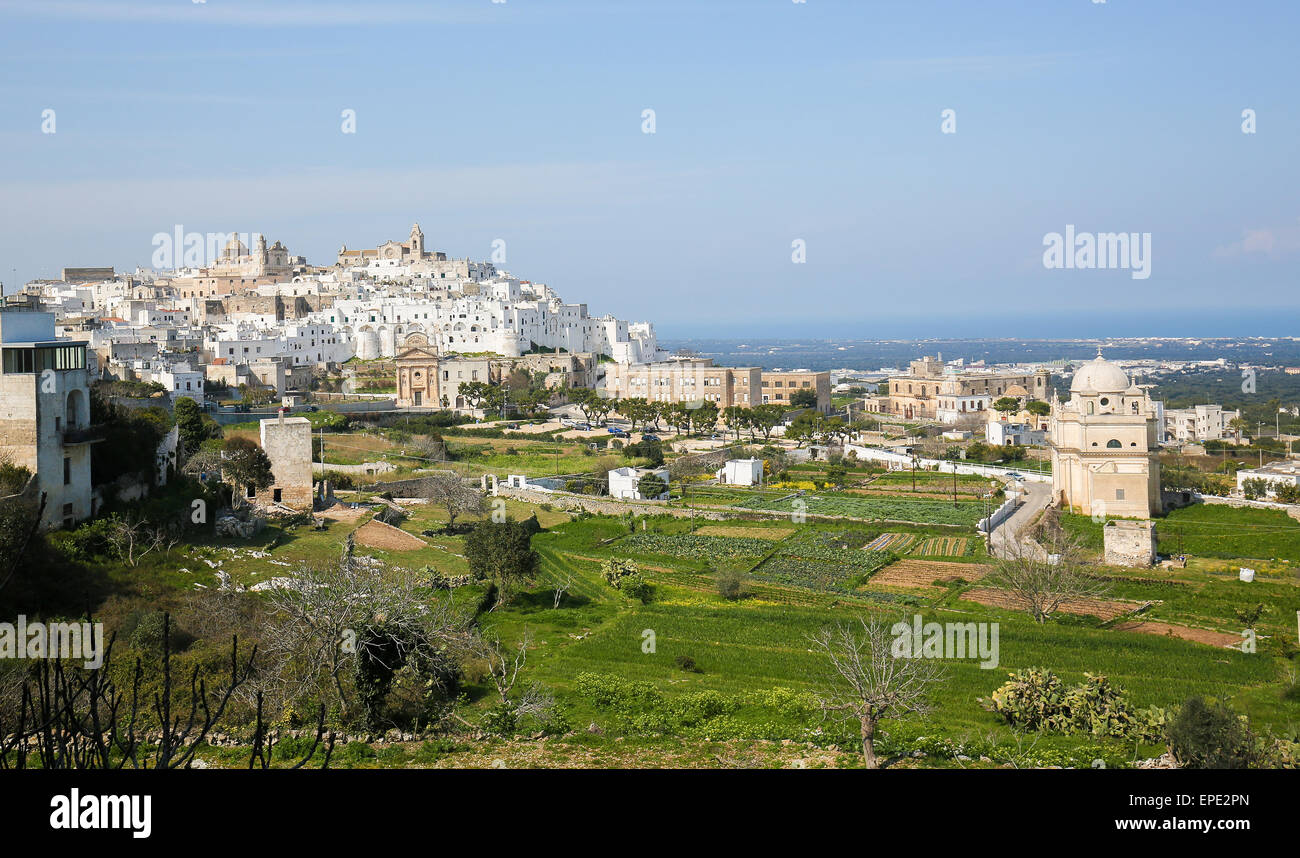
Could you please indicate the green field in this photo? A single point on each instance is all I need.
(964, 514)
(617, 662)
(1213, 530)
(745, 649)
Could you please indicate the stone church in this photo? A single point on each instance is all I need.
(392, 252)
(1105, 445)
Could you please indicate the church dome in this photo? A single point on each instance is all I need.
(1099, 376)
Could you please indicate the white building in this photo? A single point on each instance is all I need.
(1104, 442)
(1003, 433)
(181, 379)
(1274, 474)
(45, 413)
(506, 316)
(741, 472)
(1198, 423)
(624, 483)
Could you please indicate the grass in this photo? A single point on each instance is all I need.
(758, 643)
(1212, 530)
(799, 581)
(965, 514)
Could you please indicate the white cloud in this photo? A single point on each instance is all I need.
(1273, 242)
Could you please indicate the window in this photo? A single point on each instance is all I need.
(67, 470)
(1113, 444)
(1119, 494)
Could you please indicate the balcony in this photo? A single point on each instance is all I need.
(82, 435)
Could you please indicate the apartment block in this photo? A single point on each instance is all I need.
(686, 380)
(780, 387)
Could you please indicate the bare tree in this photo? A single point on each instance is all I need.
(868, 682)
(134, 538)
(80, 718)
(504, 665)
(1039, 580)
(450, 492)
(430, 449)
(562, 587)
(327, 616)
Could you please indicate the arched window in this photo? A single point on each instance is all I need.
(1114, 444)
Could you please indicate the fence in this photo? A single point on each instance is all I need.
(945, 466)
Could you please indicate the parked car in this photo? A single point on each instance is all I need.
(616, 430)
(648, 436)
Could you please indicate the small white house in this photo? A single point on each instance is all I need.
(1274, 474)
(1001, 433)
(741, 472)
(181, 380)
(624, 483)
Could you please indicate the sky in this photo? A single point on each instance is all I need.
(777, 125)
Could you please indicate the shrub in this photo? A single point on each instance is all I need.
(636, 587)
(354, 753)
(730, 584)
(145, 630)
(501, 719)
(1210, 736)
(1032, 699)
(615, 569)
(1036, 699)
(686, 663)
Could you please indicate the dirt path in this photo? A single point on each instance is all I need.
(1104, 609)
(1187, 633)
(376, 534)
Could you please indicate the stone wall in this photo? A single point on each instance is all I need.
(1130, 543)
(415, 487)
(604, 506)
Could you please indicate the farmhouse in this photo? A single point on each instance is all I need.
(624, 483)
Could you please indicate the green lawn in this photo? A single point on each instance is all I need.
(1213, 530)
(965, 513)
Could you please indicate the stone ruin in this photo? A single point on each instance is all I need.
(1129, 543)
(230, 526)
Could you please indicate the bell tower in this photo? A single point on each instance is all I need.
(417, 242)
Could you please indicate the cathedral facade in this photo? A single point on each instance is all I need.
(1105, 445)
(392, 253)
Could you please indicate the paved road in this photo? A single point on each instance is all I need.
(1037, 497)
